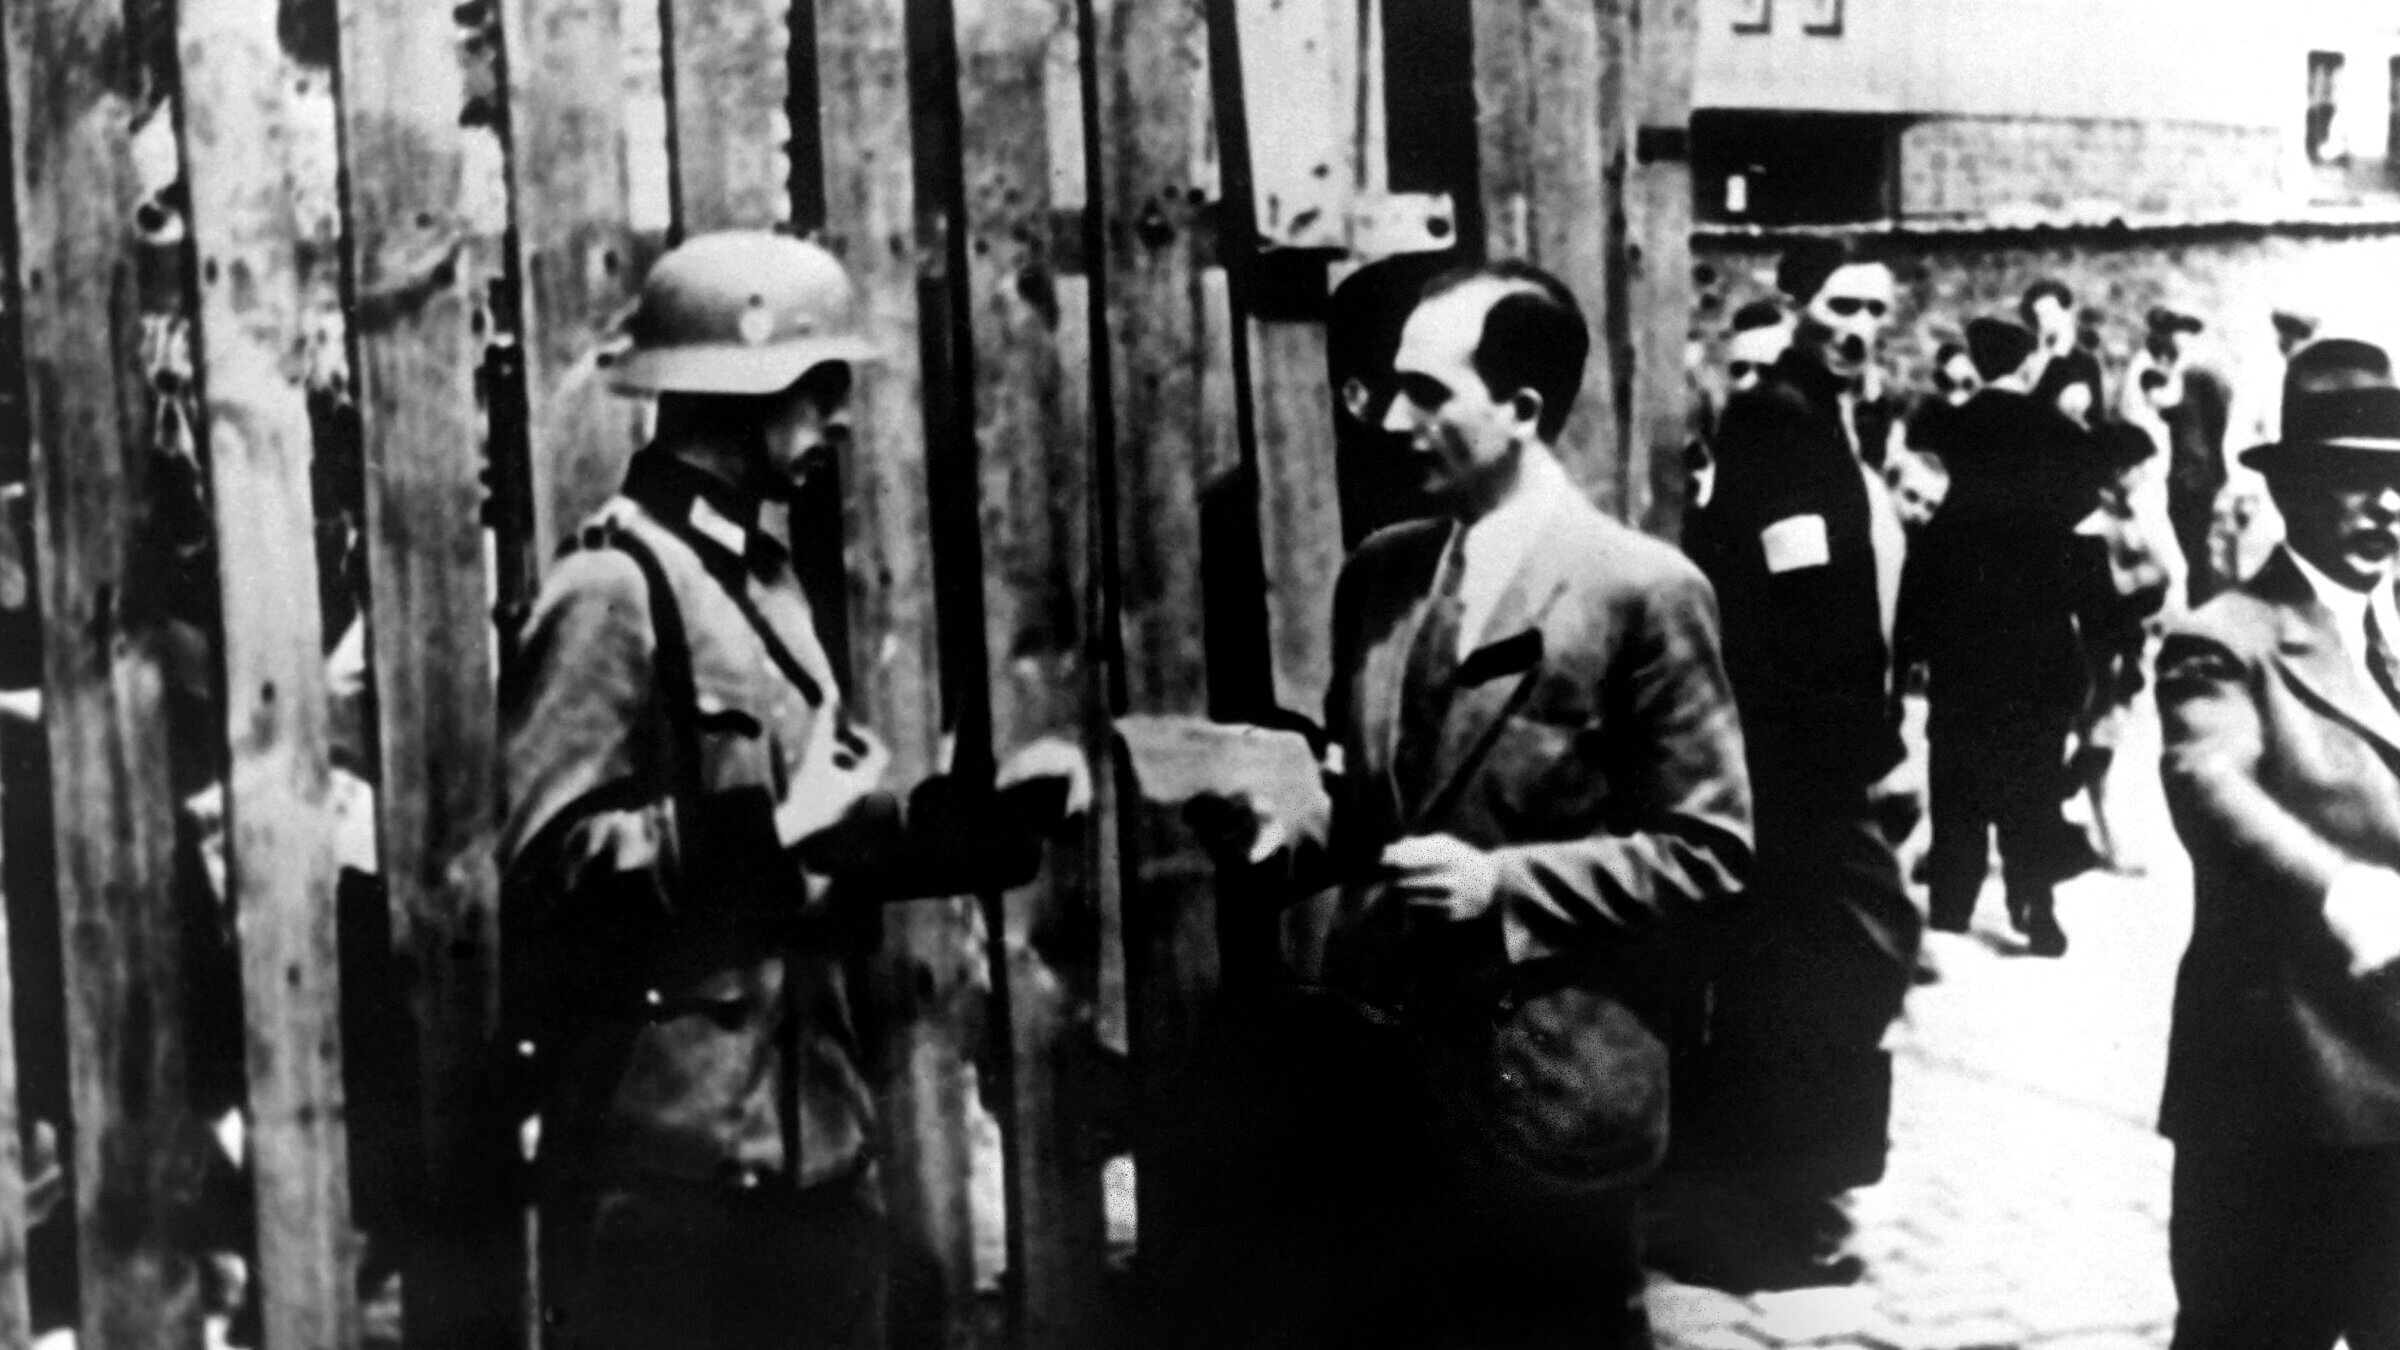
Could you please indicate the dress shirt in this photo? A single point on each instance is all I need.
(2349, 608)
(1496, 542)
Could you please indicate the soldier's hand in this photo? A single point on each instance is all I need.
(1440, 876)
(2362, 908)
(831, 790)
(1044, 783)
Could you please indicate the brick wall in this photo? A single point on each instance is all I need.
(2085, 168)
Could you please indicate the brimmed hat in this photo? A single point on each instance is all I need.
(2338, 401)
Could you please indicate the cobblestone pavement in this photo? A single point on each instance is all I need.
(2026, 1199)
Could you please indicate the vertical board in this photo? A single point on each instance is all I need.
(16, 1313)
(421, 263)
(729, 88)
(930, 970)
(1172, 436)
(253, 303)
(1169, 345)
(72, 83)
(1302, 57)
(1543, 141)
(1658, 199)
(1299, 505)
(575, 249)
(1032, 433)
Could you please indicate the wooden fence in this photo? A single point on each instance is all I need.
(333, 272)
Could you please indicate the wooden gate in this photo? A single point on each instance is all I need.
(301, 306)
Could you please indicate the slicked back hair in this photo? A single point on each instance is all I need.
(1533, 337)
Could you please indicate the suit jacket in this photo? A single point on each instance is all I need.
(2282, 766)
(1593, 748)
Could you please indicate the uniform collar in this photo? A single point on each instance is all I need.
(706, 510)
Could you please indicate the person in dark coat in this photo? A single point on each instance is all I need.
(2282, 732)
(1989, 607)
(2069, 378)
(1803, 548)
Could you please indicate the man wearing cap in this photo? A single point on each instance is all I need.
(2282, 768)
(1988, 606)
(697, 834)
(1804, 547)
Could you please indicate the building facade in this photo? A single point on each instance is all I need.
(1968, 113)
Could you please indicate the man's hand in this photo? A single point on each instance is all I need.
(1438, 875)
(2362, 908)
(1044, 783)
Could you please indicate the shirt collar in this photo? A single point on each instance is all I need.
(2349, 606)
(703, 508)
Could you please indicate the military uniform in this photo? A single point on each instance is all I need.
(685, 786)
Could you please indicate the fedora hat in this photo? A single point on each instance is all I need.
(2338, 401)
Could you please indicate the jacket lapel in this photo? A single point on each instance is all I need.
(2313, 657)
(1386, 664)
(1541, 577)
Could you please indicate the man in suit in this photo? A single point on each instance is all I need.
(1801, 541)
(2282, 768)
(1542, 773)
(1987, 603)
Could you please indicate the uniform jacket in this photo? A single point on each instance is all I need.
(2282, 765)
(1594, 749)
(1789, 541)
(684, 967)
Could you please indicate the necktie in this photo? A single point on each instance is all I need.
(1426, 687)
(2381, 663)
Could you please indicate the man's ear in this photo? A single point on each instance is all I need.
(1526, 405)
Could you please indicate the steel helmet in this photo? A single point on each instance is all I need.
(738, 312)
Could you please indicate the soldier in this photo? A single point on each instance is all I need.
(697, 831)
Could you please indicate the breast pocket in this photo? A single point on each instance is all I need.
(734, 748)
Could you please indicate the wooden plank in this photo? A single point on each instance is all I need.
(576, 250)
(1299, 505)
(1172, 438)
(16, 598)
(253, 305)
(1658, 202)
(930, 970)
(71, 83)
(421, 260)
(1299, 61)
(16, 1313)
(1032, 433)
(1544, 112)
(1158, 177)
(729, 90)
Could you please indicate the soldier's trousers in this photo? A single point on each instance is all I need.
(713, 1265)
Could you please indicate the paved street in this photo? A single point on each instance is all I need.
(2026, 1199)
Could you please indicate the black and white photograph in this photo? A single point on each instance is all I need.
(1199, 675)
